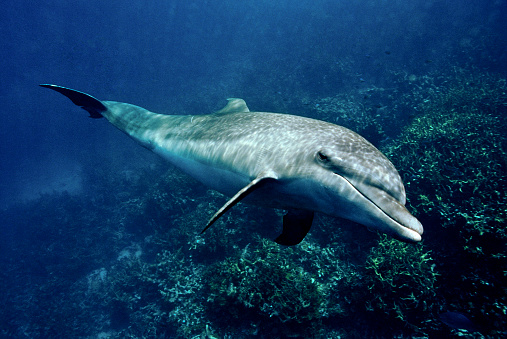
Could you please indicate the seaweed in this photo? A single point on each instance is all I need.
(453, 160)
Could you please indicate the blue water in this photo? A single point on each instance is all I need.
(187, 57)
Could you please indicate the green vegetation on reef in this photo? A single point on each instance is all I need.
(280, 291)
(401, 280)
(266, 287)
(453, 161)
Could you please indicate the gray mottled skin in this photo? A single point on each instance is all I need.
(311, 164)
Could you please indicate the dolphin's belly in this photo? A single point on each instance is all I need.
(216, 178)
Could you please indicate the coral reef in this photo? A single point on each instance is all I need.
(453, 160)
(401, 280)
(264, 287)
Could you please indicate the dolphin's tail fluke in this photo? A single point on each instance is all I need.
(93, 106)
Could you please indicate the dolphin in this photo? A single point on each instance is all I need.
(274, 160)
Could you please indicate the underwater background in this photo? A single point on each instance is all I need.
(99, 238)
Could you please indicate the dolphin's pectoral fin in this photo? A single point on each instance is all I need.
(85, 101)
(296, 224)
(253, 185)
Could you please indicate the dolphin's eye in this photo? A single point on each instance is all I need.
(322, 157)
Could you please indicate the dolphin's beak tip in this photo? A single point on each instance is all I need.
(410, 236)
(417, 237)
(415, 231)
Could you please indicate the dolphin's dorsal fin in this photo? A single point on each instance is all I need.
(296, 224)
(253, 185)
(234, 105)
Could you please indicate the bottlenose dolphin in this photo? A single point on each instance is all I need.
(276, 160)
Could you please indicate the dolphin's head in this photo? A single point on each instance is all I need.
(366, 188)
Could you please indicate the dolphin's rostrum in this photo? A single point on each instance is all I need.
(276, 160)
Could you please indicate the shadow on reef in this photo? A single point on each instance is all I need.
(126, 258)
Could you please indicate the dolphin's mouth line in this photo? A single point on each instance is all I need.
(377, 206)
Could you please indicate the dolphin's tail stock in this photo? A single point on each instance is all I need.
(93, 106)
(133, 120)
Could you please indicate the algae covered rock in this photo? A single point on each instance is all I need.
(266, 287)
(453, 161)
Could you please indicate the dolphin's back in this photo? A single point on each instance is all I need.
(256, 141)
